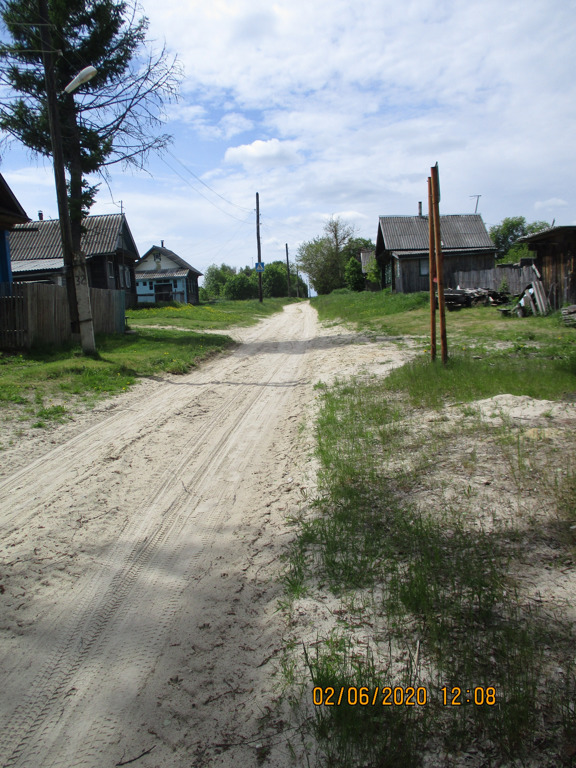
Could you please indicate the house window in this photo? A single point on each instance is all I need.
(150, 285)
(175, 283)
(111, 270)
(424, 267)
(127, 276)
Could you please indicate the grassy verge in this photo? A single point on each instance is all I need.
(42, 386)
(432, 533)
(409, 314)
(217, 315)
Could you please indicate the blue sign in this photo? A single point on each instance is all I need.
(260, 266)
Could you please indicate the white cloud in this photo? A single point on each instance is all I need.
(553, 202)
(260, 153)
(344, 107)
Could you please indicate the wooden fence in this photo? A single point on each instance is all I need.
(515, 277)
(37, 313)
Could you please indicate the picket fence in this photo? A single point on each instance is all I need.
(37, 313)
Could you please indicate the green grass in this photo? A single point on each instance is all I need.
(409, 314)
(544, 375)
(42, 383)
(33, 381)
(217, 315)
(433, 593)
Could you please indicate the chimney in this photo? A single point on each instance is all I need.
(419, 209)
(162, 243)
(40, 216)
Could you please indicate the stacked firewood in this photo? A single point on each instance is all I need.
(569, 315)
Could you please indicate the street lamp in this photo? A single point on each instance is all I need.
(77, 286)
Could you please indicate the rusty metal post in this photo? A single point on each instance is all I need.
(439, 261)
(432, 272)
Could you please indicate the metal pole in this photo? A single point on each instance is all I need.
(439, 262)
(78, 289)
(432, 272)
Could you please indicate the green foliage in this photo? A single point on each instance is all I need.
(505, 235)
(274, 280)
(324, 259)
(374, 272)
(353, 275)
(215, 278)
(240, 287)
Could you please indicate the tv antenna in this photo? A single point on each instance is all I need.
(477, 200)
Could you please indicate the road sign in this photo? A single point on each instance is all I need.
(259, 266)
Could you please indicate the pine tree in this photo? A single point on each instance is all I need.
(116, 115)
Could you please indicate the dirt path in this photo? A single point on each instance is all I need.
(140, 562)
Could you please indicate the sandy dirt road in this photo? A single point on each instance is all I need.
(140, 562)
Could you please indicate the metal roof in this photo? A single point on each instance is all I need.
(410, 233)
(37, 265)
(544, 234)
(159, 274)
(42, 240)
(170, 255)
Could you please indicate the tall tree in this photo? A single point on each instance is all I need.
(116, 116)
(324, 259)
(505, 236)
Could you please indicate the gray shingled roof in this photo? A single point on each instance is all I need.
(410, 233)
(169, 254)
(41, 239)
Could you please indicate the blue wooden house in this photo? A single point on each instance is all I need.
(163, 276)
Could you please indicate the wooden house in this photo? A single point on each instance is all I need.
(555, 258)
(11, 213)
(402, 249)
(111, 253)
(162, 276)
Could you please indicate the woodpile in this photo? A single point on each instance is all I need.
(569, 315)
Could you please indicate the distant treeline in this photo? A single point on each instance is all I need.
(225, 282)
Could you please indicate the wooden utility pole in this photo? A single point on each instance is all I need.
(435, 184)
(77, 288)
(288, 271)
(432, 273)
(258, 243)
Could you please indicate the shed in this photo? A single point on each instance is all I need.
(402, 248)
(36, 250)
(162, 275)
(555, 252)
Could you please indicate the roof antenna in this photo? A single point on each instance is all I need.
(477, 200)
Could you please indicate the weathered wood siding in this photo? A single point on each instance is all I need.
(409, 279)
(37, 313)
(515, 277)
(556, 260)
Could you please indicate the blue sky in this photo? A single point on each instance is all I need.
(340, 109)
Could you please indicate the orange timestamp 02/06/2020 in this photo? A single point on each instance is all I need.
(407, 696)
(386, 696)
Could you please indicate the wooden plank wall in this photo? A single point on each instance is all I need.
(37, 313)
(13, 317)
(517, 278)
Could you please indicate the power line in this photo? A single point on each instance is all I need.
(248, 210)
(187, 181)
